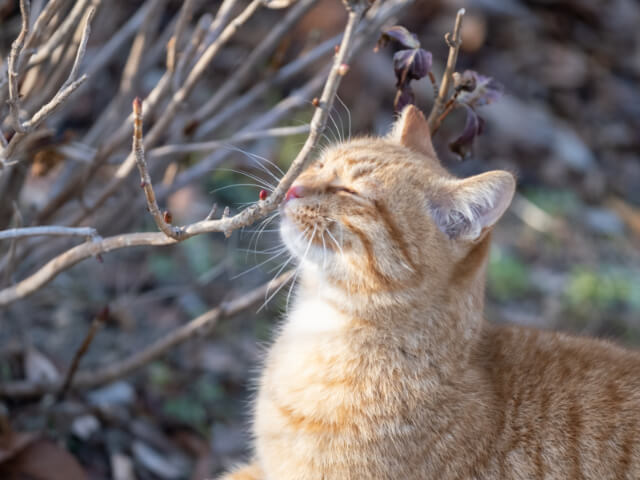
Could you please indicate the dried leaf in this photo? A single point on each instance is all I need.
(399, 34)
(42, 460)
(478, 90)
(474, 125)
(12, 444)
(411, 64)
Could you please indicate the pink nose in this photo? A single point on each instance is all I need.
(297, 191)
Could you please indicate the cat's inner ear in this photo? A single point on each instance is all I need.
(412, 131)
(465, 209)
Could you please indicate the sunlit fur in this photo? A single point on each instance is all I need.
(385, 368)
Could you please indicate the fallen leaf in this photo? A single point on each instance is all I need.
(42, 459)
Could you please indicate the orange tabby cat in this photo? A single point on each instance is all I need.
(385, 367)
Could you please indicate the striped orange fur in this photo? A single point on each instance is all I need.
(385, 367)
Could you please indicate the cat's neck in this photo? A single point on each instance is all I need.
(440, 325)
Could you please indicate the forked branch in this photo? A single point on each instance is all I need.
(145, 178)
(454, 42)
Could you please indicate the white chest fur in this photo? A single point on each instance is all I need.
(311, 317)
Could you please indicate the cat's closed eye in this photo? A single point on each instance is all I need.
(345, 190)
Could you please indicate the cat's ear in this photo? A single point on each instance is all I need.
(465, 209)
(412, 130)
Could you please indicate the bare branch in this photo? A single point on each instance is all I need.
(453, 40)
(190, 51)
(68, 87)
(9, 260)
(145, 178)
(3, 139)
(43, 19)
(60, 34)
(199, 326)
(66, 260)
(48, 231)
(97, 322)
(13, 63)
(82, 47)
(240, 76)
(119, 38)
(224, 224)
(176, 101)
(174, 42)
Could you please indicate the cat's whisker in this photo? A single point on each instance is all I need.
(267, 300)
(324, 250)
(336, 242)
(265, 159)
(341, 123)
(348, 114)
(300, 235)
(295, 276)
(285, 264)
(259, 264)
(264, 224)
(265, 252)
(339, 139)
(236, 185)
(279, 266)
(255, 158)
(269, 230)
(266, 184)
(293, 283)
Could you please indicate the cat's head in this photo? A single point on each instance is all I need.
(380, 214)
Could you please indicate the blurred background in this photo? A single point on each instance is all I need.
(565, 256)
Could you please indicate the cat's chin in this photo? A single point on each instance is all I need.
(300, 245)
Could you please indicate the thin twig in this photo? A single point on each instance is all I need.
(48, 231)
(43, 19)
(13, 63)
(174, 42)
(97, 322)
(199, 326)
(60, 34)
(450, 105)
(224, 224)
(170, 111)
(246, 68)
(145, 178)
(454, 42)
(249, 98)
(69, 86)
(11, 254)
